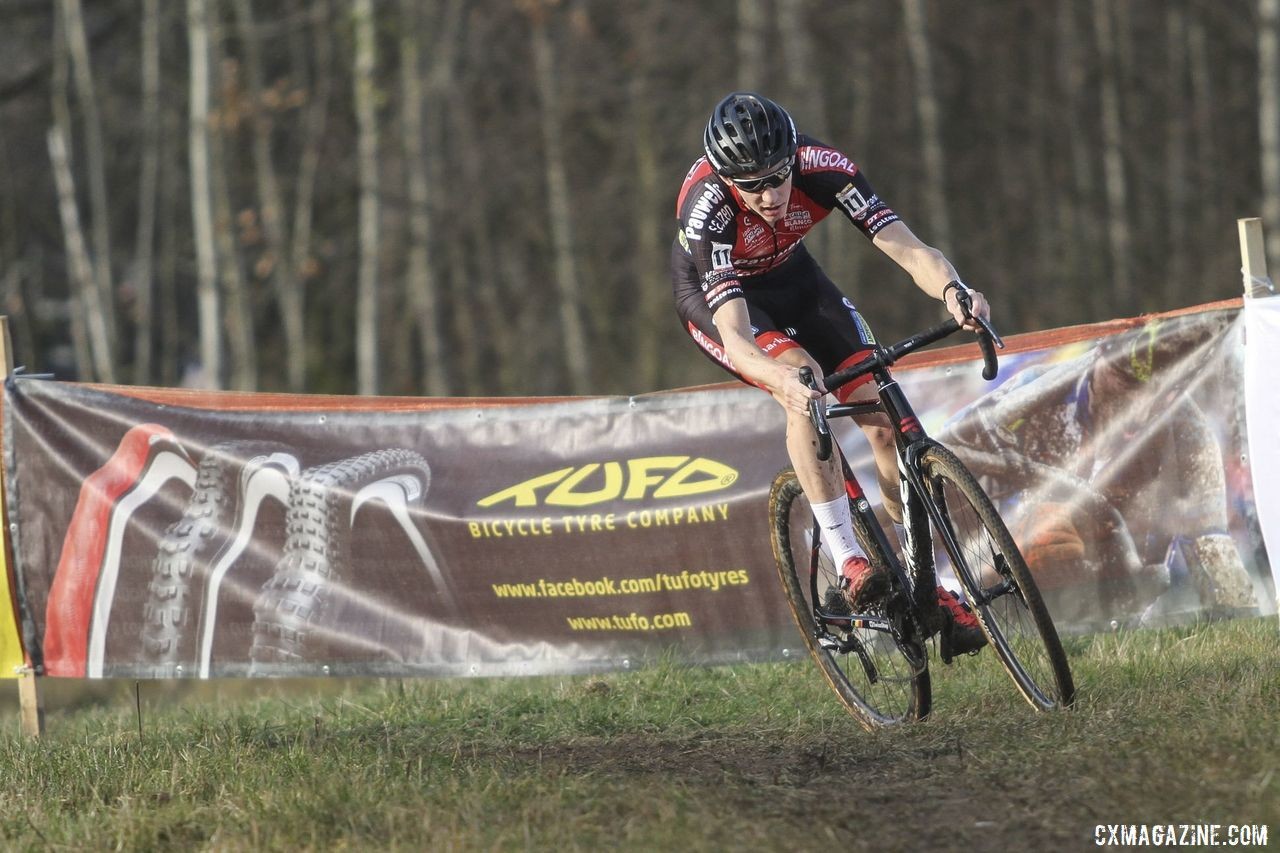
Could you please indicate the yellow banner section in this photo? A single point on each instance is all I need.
(10, 646)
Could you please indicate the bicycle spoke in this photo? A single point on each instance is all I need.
(1000, 588)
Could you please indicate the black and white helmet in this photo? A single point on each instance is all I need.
(748, 133)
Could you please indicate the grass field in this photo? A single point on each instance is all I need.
(1178, 726)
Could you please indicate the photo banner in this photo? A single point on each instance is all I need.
(165, 534)
(1120, 462)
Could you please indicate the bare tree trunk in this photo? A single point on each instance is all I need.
(95, 151)
(1084, 227)
(370, 205)
(202, 196)
(173, 336)
(656, 317)
(1176, 279)
(471, 292)
(752, 21)
(143, 255)
(89, 329)
(422, 284)
(935, 193)
(1204, 178)
(572, 325)
(14, 299)
(288, 288)
(308, 167)
(237, 315)
(88, 333)
(1269, 125)
(846, 266)
(1113, 165)
(804, 102)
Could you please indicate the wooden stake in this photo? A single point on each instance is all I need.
(29, 697)
(1253, 255)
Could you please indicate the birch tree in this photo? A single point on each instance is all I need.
(88, 322)
(1118, 236)
(89, 334)
(319, 88)
(927, 110)
(202, 194)
(149, 168)
(1269, 126)
(278, 262)
(422, 283)
(95, 151)
(370, 202)
(752, 22)
(1175, 166)
(242, 348)
(572, 324)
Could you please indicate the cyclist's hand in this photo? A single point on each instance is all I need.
(794, 395)
(978, 308)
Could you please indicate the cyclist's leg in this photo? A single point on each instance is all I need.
(830, 327)
(822, 482)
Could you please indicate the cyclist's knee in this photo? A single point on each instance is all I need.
(879, 435)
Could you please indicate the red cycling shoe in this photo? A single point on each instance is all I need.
(867, 584)
(964, 633)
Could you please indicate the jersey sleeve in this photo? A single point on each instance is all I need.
(708, 232)
(835, 181)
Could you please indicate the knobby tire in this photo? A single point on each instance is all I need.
(1016, 621)
(902, 692)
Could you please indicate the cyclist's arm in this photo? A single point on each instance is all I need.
(928, 268)
(780, 380)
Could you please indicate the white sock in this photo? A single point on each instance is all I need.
(837, 529)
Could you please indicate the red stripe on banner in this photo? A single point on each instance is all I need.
(70, 608)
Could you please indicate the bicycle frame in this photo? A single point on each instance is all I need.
(911, 441)
(935, 486)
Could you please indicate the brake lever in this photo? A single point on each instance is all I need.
(966, 305)
(986, 336)
(990, 330)
(817, 416)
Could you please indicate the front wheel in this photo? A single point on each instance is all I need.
(873, 663)
(1001, 590)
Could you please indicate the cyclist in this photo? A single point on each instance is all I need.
(755, 301)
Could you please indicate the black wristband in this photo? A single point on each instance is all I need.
(958, 285)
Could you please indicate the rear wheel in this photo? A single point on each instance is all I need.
(999, 585)
(871, 660)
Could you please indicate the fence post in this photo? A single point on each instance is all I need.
(1253, 255)
(32, 703)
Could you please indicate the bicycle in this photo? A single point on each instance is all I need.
(877, 661)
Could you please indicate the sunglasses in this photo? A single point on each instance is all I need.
(768, 182)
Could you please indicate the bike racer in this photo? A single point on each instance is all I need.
(756, 302)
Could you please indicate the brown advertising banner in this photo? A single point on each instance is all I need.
(256, 535)
(162, 541)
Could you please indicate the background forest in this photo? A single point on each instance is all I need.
(477, 198)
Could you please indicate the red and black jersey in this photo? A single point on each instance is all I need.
(728, 244)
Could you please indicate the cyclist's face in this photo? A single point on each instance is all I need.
(770, 204)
